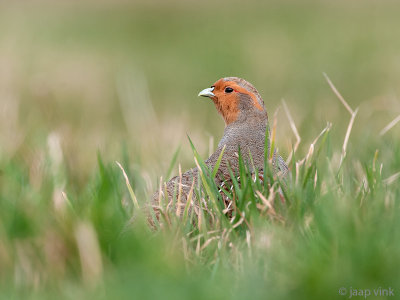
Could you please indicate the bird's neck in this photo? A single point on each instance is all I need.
(243, 132)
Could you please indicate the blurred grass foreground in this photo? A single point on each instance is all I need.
(85, 84)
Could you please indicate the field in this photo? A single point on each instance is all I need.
(84, 85)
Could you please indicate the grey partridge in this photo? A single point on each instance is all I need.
(246, 124)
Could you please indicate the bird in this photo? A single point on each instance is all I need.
(246, 126)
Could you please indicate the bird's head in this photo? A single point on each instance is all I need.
(236, 100)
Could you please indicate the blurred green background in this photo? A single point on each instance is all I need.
(102, 74)
(121, 79)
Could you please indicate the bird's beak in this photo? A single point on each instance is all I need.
(207, 92)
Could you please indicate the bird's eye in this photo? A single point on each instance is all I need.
(228, 90)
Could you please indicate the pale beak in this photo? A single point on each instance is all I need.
(207, 92)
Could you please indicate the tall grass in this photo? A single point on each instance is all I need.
(333, 224)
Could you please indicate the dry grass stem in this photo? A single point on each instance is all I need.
(131, 192)
(160, 193)
(178, 202)
(188, 201)
(294, 129)
(198, 165)
(273, 134)
(248, 241)
(267, 202)
(89, 253)
(346, 138)
(350, 110)
(390, 125)
(327, 128)
(338, 94)
(391, 179)
(208, 242)
(310, 153)
(315, 179)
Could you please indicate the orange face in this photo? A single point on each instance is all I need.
(226, 96)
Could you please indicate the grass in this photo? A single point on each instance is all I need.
(85, 85)
(337, 227)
